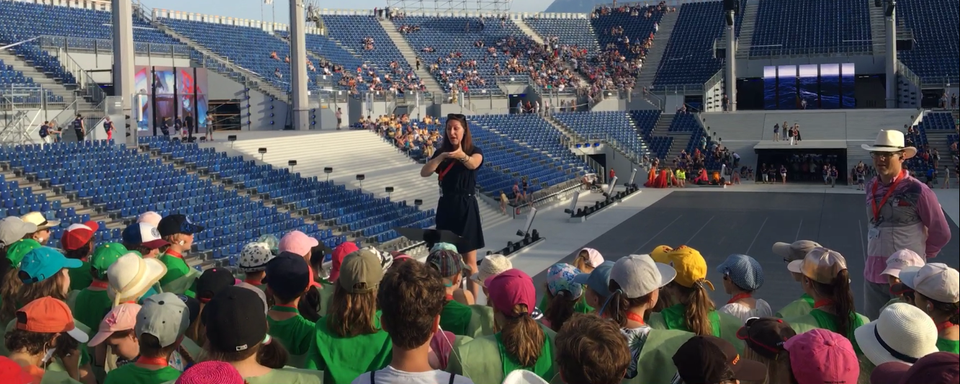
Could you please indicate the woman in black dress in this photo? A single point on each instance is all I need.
(456, 164)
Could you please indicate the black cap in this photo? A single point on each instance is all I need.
(234, 320)
(766, 335)
(287, 275)
(177, 223)
(212, 281)
(193, 305)
(705, 359)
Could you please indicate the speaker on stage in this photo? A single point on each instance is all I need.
(731, 5)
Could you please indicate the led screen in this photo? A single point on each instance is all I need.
(770, 87)
(809, 86)
(847, 82)
(787, 87)
(829, 86)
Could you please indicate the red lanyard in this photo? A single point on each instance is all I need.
(944, 326)
(739, 296)
(632, 316)
(449, 297)
(445, 170)
(822, 303)
(174, 254)
(157, 361)
(873, 197)
(99, 284)
(255, 282)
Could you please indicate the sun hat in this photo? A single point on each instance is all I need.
(361, 271)
(49, 315)
(43, 263)
(131, 276)
(594, 258)
(448, 263)
(522, 376)
(163, 316)
(509, 289)
(707, 359)
(13, 229)
(213, 281)
(598, 280)
(254, 257)
(900, 259)
(935, 368)
(491, 265)
(121, 318)
(177, 223)
(639, 275)
(890, 141)
(143, 234)
(661, 254)
(228, 321)
(39, 220)
(820, 356)
(766, 335)
(742, 270)
(13, 373)
(822, 265)
(19, 249)
(793, 253)
(691, 267)
(560, 278)
(336, 257)
(287, 275)
(78, 235)
(297, 242)
(104, 256)
(903, 332)
(936, 281)
(150, 217)
(208, 372)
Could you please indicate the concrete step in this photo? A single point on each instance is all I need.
(433, 86)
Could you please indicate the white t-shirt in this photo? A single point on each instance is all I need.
(743, 312)
(391, 375)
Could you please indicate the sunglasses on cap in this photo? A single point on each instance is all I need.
(458, 116)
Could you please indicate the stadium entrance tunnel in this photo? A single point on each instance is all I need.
(798, 161)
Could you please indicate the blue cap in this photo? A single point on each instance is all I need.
(598, 280)
(742, 270)
(45, 262)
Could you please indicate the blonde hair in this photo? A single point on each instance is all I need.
(521, 335)
(582, 262)
(778, 370)
(697, 308)
(352, 314)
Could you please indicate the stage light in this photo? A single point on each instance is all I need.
(530, 217)
(291, 164)
(360, 178)
(613, 184)
(262, 151)
(328, 171)
(388, 190)
(417, 202)
(231, 139)
(573, 204)
(633, 175)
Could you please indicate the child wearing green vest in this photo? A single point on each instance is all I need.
(521, 343)
(77, 241)
(792, 254)
(178, 230)
(587, 260)
(937, 289)
(90, 304)
(289, 278)
(160, 326)
(411, 297)
(10, 283)
(349, 340)
(563, 294)
(456, 316)
(253, 263)
(635, 283)
(605, 364)
(38, 325)
(693, 310)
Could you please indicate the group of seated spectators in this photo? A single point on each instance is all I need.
(396, 79)
(418, 138)
(635, 10)
(408, 28)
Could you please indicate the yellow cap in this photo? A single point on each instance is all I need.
(690, 266)
(661, 254)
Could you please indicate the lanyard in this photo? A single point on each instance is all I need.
(632, 316)
(99, 284)
(739, 296)
(445, 171)
(174, 254)
(254, 282)
(873, 197)
(944, 326)
(284, 308)
(449, 297)
(157, 361)
(822, 303)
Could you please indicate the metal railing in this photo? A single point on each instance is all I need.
(779, 51)
(84, 80)
(105, 46)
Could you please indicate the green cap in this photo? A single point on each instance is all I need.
(16, 251)
(104, 256)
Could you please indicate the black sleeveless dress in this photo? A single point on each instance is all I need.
(457, 210)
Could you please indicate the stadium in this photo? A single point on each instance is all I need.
(719, 126)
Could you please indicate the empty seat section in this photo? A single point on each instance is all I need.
(608, 126)
(689, 57)
(936, 31)
(788, 27)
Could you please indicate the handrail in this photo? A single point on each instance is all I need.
(85, 44)
(85, 81)
(779, 51)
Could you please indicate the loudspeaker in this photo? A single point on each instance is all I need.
(731, 5)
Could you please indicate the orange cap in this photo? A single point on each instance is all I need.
(49, 315)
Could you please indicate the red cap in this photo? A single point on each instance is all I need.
(13, 373)
(78, 235)
(339, 253)
(509, 289)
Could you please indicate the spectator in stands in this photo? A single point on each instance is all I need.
(936, 287)
(921, 227)
(45, 325)
(290, 279)
(42, 233)
(709, 359)
(591, 350)
(160, 326)
(92, 302)
(456, 165)
(44, 272)
(763, 338)
(143, 239)
(77, 242)
(742, 276)
(350, 338)
(179, 231)
(456, 314)
(412, 301)
(821, 356)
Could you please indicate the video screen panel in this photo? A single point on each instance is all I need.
(164, 83)
(202, 89)
(142, 85)
(847, 83)
(829, 86)
(769, 87)
(787, 87)
(809, 90)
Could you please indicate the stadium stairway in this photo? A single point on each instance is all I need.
(433, 86)
(655, 54)
(66, 91)
(747, 26)
(878, 29)
(533, 35)
(680, 139)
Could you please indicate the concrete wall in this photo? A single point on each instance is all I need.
(98, 61)
(621, 165)
(260, 106)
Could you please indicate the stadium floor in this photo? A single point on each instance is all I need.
(749, 223)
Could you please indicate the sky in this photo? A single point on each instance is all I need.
(251, 9)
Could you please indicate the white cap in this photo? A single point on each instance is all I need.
(13, 229)
(639, 275)
(254, 257)
(936, 281)
(491, 265)
(164, 316)
(521, 376)
(594, 258)
(903, 333)
(131, 276)
(150, 217)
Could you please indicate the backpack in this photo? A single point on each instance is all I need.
(44, 131)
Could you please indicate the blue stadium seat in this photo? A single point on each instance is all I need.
(786, 27)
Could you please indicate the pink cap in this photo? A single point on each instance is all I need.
(297, 242)
(594, 258)
(150, 217)
(339, 253)
(509, 289)
(121, 318)
(900, 259)
(821, 356)
(211, 372)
